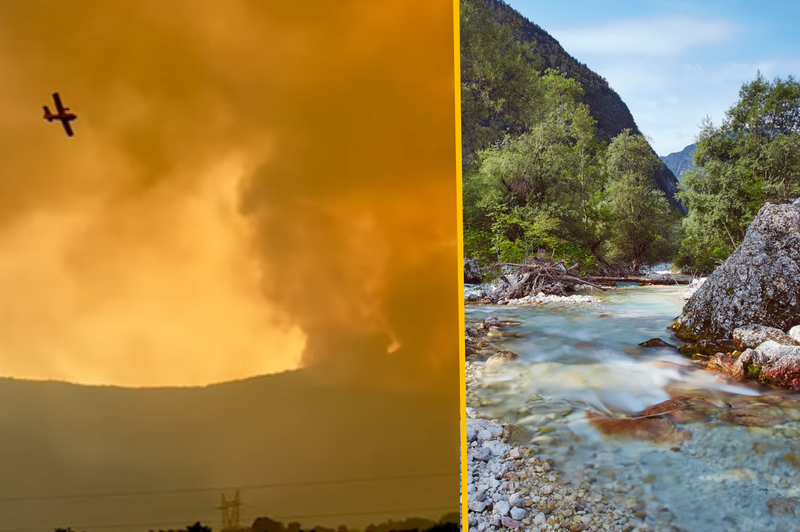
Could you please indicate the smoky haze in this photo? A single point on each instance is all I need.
(251, 188)
(254, 188)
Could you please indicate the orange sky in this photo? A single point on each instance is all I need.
(252, 186)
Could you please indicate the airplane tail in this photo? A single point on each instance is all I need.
(47, 114)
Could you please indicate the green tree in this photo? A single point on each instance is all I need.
(499, 77)
(639, 216)
(536, 189)
(753, 157)
(522, 232)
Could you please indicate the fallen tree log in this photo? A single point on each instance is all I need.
(644, 280)
(584, 281)
(541, 274)
(518, 289)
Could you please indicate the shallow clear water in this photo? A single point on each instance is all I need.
(712, 474)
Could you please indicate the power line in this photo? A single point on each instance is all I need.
(354, 480)
(184, 523)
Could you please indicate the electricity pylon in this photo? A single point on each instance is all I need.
(230, 513)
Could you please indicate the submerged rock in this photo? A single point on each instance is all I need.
(664, 407)
(759, 283)
(657, 423)
(783, 507)
(706, 347)
(751, 417)
(697, 408)
(657, 342)
(501, 357)
(653, 429)
(752, 336)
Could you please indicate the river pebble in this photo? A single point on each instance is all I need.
(511, 487)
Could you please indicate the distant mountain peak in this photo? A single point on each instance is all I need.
(680, 161)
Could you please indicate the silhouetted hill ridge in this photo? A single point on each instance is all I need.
(61, 438)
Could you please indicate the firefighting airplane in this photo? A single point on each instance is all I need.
(61, 114)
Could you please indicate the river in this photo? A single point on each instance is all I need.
(732, 464)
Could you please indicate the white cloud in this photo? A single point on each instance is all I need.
(669, 98)
(650, 36)
(668, 102)
(673, 71)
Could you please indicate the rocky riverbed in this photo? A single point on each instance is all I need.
(511, 486)
(726, 462)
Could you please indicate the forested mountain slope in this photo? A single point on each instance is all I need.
(553, 161)
(605, 105)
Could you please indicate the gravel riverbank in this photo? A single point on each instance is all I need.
(511, 486)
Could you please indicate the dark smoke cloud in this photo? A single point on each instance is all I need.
(249, 183)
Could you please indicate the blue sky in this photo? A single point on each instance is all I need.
(675, 62)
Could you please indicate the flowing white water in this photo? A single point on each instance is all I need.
(585, 358)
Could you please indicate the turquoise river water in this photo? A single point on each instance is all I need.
(733, 465)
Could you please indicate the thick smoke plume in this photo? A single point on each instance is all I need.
(251, 187)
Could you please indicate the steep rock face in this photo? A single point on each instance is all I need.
(680, 161)
(758, 284)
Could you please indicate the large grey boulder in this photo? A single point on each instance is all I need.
(473, 274)
(759, 283)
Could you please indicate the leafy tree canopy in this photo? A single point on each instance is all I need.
(751, 158)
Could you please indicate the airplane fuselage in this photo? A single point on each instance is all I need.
(65, 117)
(61, 114)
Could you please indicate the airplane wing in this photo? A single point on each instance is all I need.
(67, 128)
(59, 105)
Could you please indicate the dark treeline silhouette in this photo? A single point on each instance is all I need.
(448, 523)
(197, 527)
